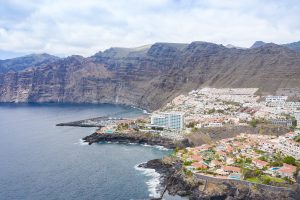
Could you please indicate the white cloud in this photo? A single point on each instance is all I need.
(85, 27)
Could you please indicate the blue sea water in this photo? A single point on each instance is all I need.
(42, 161)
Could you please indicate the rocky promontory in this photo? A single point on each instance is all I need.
(136, 137)
(177, 182)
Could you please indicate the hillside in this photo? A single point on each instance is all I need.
(149, 77)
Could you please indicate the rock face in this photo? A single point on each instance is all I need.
(138, 138)
(150, 76)
(178, 183)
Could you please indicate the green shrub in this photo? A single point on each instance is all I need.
(289, 160)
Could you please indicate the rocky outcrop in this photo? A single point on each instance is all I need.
(138, 138)
(177, 182)
(151, 76)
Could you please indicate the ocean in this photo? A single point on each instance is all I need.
(42, 161)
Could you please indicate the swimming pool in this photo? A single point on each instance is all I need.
(275, 168)
(235, 176)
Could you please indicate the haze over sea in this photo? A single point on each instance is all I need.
(42, 161)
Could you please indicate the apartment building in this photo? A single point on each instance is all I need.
(171, 120)
(276, 98)
(289, 147)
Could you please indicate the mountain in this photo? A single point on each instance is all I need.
(257, 44)
(151, 76)
(294, 46)
(24, 62)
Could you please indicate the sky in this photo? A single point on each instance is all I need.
(84, 27)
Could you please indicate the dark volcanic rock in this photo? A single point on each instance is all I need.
(138, 138)
(151, 76)
(178, 183)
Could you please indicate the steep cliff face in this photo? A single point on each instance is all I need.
(149, 77)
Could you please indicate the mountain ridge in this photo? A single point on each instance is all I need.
(151, 77)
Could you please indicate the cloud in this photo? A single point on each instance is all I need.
(85, 27)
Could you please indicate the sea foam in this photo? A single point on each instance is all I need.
(81, 142)
(153, 183)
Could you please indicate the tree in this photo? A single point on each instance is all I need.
(254, 122)
(289, 160)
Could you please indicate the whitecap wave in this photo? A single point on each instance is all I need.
(81, 142)
(161, 148)
(156, 146)
(153, 183)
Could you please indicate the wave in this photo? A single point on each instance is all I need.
(162, 148)
(154, 186)
(82, 142)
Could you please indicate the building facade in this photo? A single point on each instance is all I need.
(297, 116)
(276, 98)
(282, 122)
(172, 120)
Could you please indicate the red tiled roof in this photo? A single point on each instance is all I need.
(196, 157)
(260, 162)
(288, 169)
(232, 168)
(199, 165)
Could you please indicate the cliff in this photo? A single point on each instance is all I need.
(176, 182)
(150, 76)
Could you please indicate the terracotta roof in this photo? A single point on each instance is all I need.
(199, 165)
(288, 169)
(221, 153)
(232, 168)
(196, 157)
(260, 162)
(216, 162)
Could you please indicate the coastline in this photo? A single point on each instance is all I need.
(137, 138)
(169, 177)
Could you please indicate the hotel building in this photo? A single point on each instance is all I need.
(172, 120)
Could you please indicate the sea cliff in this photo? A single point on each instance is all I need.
(138, 138)
(177, 182)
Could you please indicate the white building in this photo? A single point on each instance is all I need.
(276, 98)
(289, 147)
(297, 116)
(172, 120)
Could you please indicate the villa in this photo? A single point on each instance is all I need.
(260, 163)
(287, 170)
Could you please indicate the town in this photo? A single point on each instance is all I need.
(212, 107)
(254, 158)
(258, 158)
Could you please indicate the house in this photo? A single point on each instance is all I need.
(196, 157)
(215, 163)
(199, 165)
(259, 163)
(230, 161)
(287, 171)
(231, 169)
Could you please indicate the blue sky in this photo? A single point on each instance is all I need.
(66, 27)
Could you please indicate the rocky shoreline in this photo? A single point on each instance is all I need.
(177, 182)
(138, 138)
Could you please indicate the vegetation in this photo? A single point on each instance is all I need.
(191, 125)
(254, 122)
(290, 160)
(211, 111)
(297, 139)
(187, 163)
